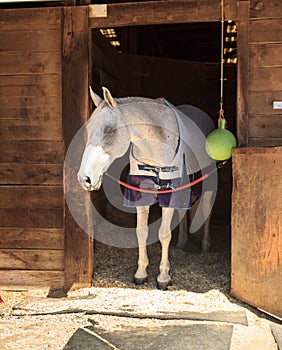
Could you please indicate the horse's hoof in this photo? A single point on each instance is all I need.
(205, 250)
(140, 281)
(163, 285)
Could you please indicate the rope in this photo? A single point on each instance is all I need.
(143, 190)
(221, 111)
(180, 188)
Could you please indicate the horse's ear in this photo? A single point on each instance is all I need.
(108, 97)
(94, 97)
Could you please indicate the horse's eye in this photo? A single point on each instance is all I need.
(108, 129)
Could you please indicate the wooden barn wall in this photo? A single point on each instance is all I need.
(75, 111)
(133, 13)
(260, 52)
(31, 148)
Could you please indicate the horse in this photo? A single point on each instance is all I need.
(163, 156)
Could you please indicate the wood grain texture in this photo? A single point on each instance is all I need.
(75, 85)
(29, 238)
(32, 152)
(266, 8)
(243, 72)
(32, 148)
(265, 126)
(32, 217)
(266, 55)
(31, 196)
(160, 12)
(31, 41)
(36, 108)
(26, 85)
(20, 130)
(265, 78)
(264, 122)
(12, 63)
(257, 228)
(260, 30)
(261, 102)
(24, 19)
(31, 259)
(264, 142)
(37, 174)
(24, 278)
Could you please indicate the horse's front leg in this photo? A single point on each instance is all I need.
(164, 279)
(142, 235)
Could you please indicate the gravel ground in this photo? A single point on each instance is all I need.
(200, 283)
(190, 270)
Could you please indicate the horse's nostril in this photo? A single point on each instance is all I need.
(87, 180)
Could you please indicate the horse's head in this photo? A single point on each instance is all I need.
(107, 139)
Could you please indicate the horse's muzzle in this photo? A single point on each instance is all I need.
(87, 184)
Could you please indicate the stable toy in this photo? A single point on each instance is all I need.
(220, 142)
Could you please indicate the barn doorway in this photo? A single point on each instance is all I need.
(180, 62)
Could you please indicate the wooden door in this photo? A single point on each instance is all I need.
(257, 228)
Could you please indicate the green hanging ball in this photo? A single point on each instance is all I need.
(220, 142)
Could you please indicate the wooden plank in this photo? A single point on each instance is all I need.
(266, 55)
(266, 8)
(265, 126)
(24, 130)
(31, 63)
(29, 152)
(31, 196)
(157, 12)
(21, 278)
(265, 78)
(261, 102)
(32, 218)
(31, 18)
(260, 33)
(31, 41)
(37, 174)
(243, 71)
(264, 142)
(75, 70)
(31, 259)
(28, 238)
(30, 86)
(257, 228)
(30, 107)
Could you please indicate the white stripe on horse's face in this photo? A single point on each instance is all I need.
(94, 163)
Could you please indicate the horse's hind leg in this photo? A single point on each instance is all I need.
(206, 240)
(142, 235)
(164, 279)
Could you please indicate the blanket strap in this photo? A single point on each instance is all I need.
(157, 170)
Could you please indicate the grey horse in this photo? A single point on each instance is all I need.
(167, 149)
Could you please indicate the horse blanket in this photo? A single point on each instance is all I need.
(193, 127)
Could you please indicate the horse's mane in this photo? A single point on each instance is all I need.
(127, 100)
